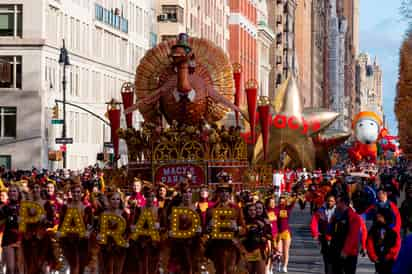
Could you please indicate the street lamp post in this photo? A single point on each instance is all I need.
(64, 61)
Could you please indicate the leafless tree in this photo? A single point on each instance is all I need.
(406, 12)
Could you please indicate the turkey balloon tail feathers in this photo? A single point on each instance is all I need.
(225, 102)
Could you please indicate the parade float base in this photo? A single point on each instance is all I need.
(175, 154)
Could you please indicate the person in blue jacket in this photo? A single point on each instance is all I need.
(403, 264)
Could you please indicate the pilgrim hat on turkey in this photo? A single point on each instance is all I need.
(183, 42)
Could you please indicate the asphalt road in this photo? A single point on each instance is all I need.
(305, 257)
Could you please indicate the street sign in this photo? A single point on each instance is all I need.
(57, 122)
(64, 141)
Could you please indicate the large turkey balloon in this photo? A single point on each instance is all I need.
(205, 91)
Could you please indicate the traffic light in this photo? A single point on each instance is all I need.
(55, 112)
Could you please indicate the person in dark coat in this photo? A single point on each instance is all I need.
(344, 247)
(384, 202)
(403, 264)
(383, 243)
(406, 211)
(321, 228)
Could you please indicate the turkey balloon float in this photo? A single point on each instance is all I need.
(366, 126)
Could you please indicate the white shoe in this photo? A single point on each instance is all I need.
(284, 269)
(280, 267)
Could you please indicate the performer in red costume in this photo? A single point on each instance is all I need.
(283, 211)
(35, 242)
(185, 254)
(203, 204)
(52, 207)
(290, 177)
(255, 241)
(137, 198)
(11, 243)
(225, 254)
(76, 248)
(161, 200)
(144, 247)
(113, 256)
(162, 203)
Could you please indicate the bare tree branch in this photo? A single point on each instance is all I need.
(406, 12)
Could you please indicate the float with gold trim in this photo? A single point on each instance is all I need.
(156, 215)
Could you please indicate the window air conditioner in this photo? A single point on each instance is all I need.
(162, 18)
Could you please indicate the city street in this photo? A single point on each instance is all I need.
(305, 253)
(174, 137)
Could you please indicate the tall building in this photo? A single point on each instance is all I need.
(243, 27)
(349, 10)
(368, 85)
(265, 39)
(199, 18)
(319, 46)
(282, 53)
(105, 40)
(336, 64)
(304, 54)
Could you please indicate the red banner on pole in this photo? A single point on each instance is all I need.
(127, 98)
(237, 75)
(265, 121)
(114, 117)
(251, 95)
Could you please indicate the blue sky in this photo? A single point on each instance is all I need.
(381, 30)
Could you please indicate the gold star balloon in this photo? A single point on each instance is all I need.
(292, 129)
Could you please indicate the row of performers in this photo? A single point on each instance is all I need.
(139, 233)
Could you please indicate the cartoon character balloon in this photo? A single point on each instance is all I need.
(388, 144)
(366, 126)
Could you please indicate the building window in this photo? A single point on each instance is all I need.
(279, 79)
(174, 13)
(153, 39)
(279, 38)
(279, 19)
(97, 42)
(168, 37)
(112, 18)
(8, 122)
(10, 71)
(11, 20)
(5, 161)
(286, 8)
